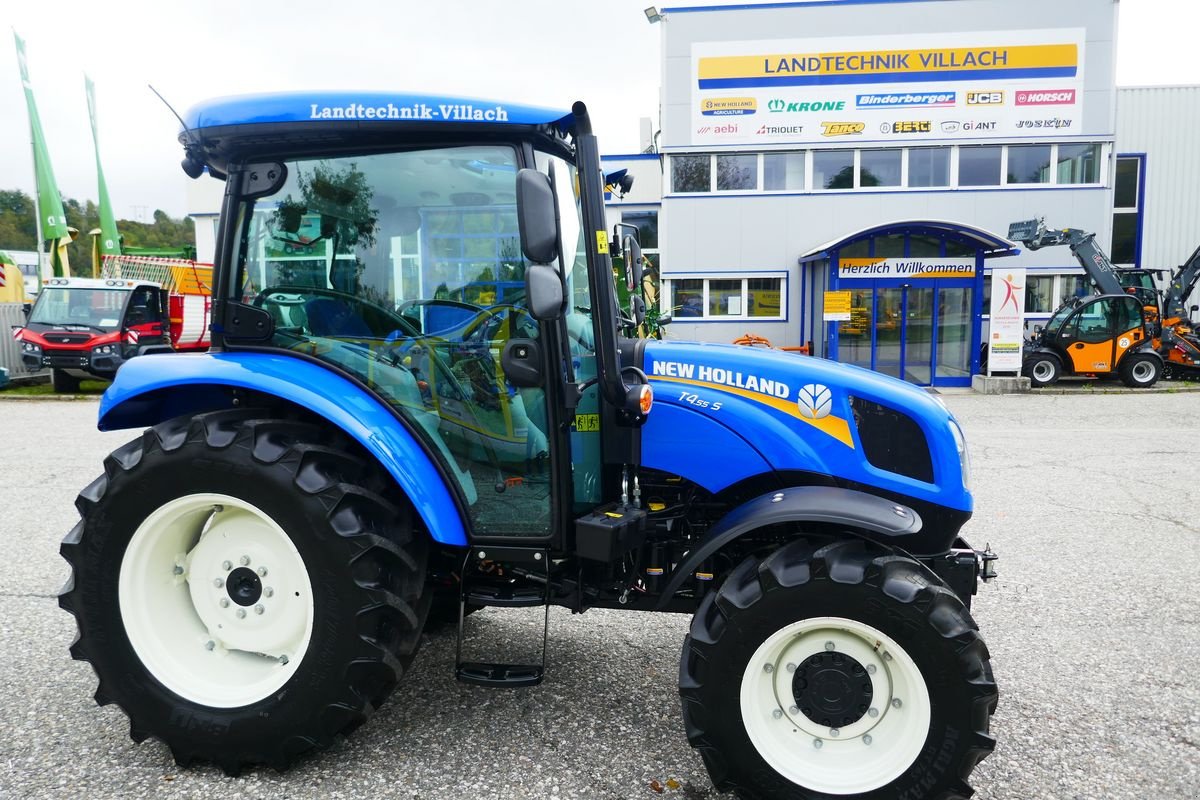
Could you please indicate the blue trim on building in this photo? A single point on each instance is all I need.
(633, 157)
(795, 4)
(1023, 73)
(787, 146)
(1033, 187)
(1141, 204)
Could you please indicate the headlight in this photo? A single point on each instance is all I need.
(964, 458)
(103, 349)
(30, 347)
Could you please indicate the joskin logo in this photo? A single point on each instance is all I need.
(813, 405)
(728, 106)
(815, 401)
(842, 128)
(985, 98)
(776, 105)
(906, 100)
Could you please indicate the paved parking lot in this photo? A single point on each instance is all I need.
(1094, 628)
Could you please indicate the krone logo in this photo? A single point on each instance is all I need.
(815, 401)
(775, 105)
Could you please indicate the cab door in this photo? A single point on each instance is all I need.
(1100, 331)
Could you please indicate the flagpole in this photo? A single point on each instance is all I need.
(37, 211)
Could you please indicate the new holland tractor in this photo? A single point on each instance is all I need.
(419, 403)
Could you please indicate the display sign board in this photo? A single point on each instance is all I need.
(914, 268)
(836, 307)
(842, 91)
(1007, 329)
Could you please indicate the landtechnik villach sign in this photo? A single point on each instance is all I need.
(889, 88)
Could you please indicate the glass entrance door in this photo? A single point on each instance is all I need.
(904, 333)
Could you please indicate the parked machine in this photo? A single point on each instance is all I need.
(1180, 337)
(1109, 335)
(252, 575)
(89, 327)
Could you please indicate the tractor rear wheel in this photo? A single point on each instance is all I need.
(1140, 371)
(242, 587)
(838, 670)
(63, 383)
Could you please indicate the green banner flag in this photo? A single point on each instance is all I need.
(109, 243)
(54, 219)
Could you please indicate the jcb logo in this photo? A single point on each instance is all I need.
(842, 128)
(985, 98)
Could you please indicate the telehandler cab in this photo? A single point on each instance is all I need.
(417, 404)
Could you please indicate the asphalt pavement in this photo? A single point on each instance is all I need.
(1094, 627)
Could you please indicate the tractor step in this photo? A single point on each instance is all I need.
(475, 590)
(504, 676)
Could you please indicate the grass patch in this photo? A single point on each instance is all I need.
(46, 390)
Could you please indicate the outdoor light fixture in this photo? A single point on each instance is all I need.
(653, 15)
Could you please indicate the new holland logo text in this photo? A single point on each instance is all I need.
(842, 128)
(985, 98)
(905, 99)
(447, 111)
(724, 377)
(779, 130)
(728, 106)
(776, 105)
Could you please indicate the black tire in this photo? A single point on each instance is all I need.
(367, 578)
(64, 383)
(1042, 369)
(856, 581)
(1140, 370)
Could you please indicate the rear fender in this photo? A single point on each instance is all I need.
(877, 518)
(150, 389)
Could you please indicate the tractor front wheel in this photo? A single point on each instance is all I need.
(839, 670)
(1042, 370)
(243, 589)
(1140, 371)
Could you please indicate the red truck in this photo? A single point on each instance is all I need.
(88, 327)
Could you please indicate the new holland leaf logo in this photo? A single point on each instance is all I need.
(815, 401)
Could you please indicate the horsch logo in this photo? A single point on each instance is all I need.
(1046, 97)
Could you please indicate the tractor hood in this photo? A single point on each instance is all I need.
(727, 413)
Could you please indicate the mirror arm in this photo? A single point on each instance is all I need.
(572, 394)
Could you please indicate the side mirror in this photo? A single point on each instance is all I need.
(28, 307)
(543, 292)
(537, 221)
(633, 263)
(637, 309)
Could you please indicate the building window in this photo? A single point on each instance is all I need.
(1126, 210)
(783, 172)
(929, 166)
(1039, 294)
(979, 166)
(1079, 163)
(1029, 163)
(833, 169)
(737, 173)
(880, 167)
(691, 173)
(727, 297)
(647, 224)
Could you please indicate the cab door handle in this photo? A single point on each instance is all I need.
(1078, 345)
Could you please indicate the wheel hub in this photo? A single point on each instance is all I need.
(243, 586)
(832, 689)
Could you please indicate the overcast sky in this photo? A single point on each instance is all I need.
(541, 52)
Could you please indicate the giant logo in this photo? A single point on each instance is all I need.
(815, 401)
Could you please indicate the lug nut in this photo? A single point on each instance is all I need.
(262, 572)
(283, 660)
(867, 739)
(768, 667)
(834, 732)
(793, 710)
(178, 570)
(817, 743)
(268, 592)
(871, 670)
(791, 667)
(241, 613)
(896, 702)
(244, 561)
(218, 583)
(258, 609)
(210, 644)
(872, 712)
(830, 645)
(227, 565)
(887, 656)
(777, 713)
(482, 555)
(224, 602)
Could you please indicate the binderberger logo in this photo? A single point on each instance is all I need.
(451, 112)
(842, 128)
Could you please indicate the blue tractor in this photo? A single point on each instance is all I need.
(420, 401)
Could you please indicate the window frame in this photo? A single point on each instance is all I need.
(668, 294)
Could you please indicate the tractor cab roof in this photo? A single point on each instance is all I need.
(117, 284)
(247, 126)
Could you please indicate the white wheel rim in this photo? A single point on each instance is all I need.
(860, 757)
(1143, 371)
(183, 613)
(1043, 370)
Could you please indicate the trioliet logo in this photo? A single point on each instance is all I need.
(842, 128)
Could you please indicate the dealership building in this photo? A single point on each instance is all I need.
(842, 174)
